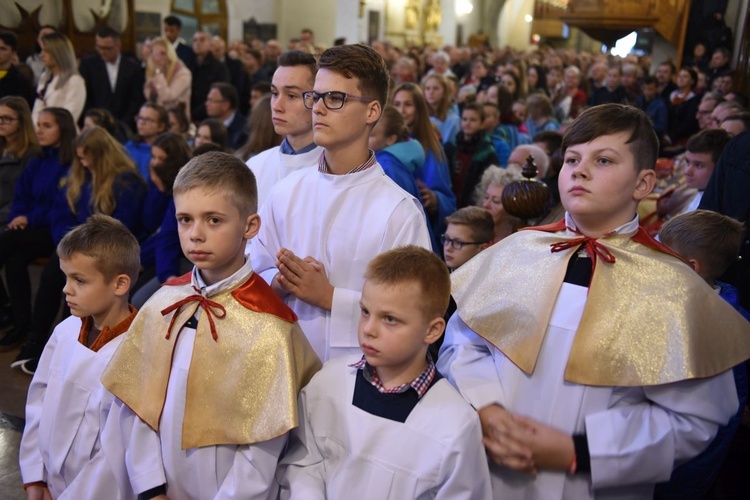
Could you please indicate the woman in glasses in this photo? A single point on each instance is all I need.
(168, 80)
(28, 236)
(151, 121)
(60, 85)
(18, 145)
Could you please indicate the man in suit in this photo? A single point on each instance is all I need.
(207, 71)
(237, 75)
(221, 104)
(114, 81)
(172, 30)
(12, 82)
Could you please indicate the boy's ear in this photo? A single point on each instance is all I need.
(373, 112)
(391, 140)
(645, 184)
(434, 330)
(695, 265)
(252, 226)
(122, 285)
(484, 246)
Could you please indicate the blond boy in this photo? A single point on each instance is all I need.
(385, 424)
(208, 375)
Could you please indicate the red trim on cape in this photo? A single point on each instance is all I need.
(646, 239)
(185, 279)
(256, 295)
(548, 228)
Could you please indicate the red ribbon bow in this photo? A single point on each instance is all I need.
(591, 245)
(212, 309)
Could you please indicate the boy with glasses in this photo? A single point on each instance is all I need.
(323, 226)
(470, 230)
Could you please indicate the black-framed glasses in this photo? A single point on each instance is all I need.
(8, 119)
(458, 244)
(332, 100)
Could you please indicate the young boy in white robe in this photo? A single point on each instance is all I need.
(597, 359)
(322, 226)
(385, 424)
(207, 377)
(67, 405)
(294, 75)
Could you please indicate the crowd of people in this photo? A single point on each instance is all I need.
(317, 200)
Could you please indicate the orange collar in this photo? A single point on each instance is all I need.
(106, 334)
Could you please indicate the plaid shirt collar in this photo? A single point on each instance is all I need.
(323, 166)
(419, 384)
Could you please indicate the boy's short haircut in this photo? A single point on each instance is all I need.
(108, 32)
(478, 220)
(670, 64)
(714, 240)
(709, 141)
(650, 80)
(476, 107)
(263, 87)
(740, 117)
(363, 63)
(493, 107)
(416, 265)
(292, 58)
(109, 242)
(10, 39)
(608, 119)
(220, 172)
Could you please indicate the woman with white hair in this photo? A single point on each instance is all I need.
(571, 100)
(60, 84)
(489, 195)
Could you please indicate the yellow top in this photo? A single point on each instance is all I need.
(242, 386)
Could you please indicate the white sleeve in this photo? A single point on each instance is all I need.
(301, 472)
(642, 443)
(29, 455)
(266, 244)
(467, 469)
(467, 362)
(132, 450)
(75, 96)
(97, 478)
(253, 470)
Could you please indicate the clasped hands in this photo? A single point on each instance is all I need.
(305, 278)
(522, 443)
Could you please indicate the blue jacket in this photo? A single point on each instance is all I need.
(168, 249)
(436, 176)
(129, 190)
(449, 128)
(37, 188)
(550, 125)
(154, 207)
(510, 134)
(400, 161)
(656, 110)
(140, 153)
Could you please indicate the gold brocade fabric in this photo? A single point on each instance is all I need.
(242, 388)
(649, 318)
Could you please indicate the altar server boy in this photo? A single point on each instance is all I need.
(208, 375)
(597, 359)
(67, 404)
(323, 225)
(386, 424)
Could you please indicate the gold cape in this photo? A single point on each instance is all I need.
(649, 319)
(242, 388)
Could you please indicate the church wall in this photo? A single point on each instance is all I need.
(512, 29)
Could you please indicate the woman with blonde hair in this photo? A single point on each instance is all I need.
(168, 80)
(438, 92)
(489, 195)
(433, 178)
(60, 85)
(102, 180)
